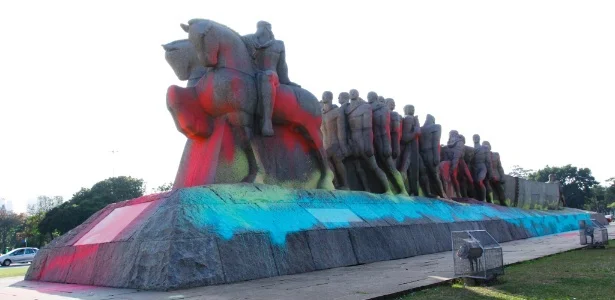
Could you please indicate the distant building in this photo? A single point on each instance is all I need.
(8, 204)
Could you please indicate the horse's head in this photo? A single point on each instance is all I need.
(182, 58)
(204, 39)
(217, 45)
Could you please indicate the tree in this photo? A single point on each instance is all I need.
(577, 183)
(518, 171)
(8, 223)
(164, 187)
(44, 204)
(36, 213)
(86, 202)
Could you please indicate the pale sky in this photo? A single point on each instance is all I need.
(82, 78)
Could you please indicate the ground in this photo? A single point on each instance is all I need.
(579, 274)
(13, 271)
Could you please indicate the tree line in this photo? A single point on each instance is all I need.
(51, 217)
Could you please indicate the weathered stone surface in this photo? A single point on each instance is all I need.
(442, 235)
(203, 239)
(424, 238)
(115, 264)
(151, 269)
(370, 244)
(400, 242)
(331, 248)
(38, 265)
(294, 256)
(194, 262)
(247, 256)
(58, 262)
(82, 272)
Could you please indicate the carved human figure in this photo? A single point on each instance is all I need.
(454, 153)
(464, 174)
(269, 56)
(481, 167)
(496, 174)
(553, 179)
(409, 164)
(429, 145)
(359, 118)
(395, 128)
(335, 139)
(381, 121)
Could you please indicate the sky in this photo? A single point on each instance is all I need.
(80, 79)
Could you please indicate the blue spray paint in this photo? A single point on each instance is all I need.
(233, 209)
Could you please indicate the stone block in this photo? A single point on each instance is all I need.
(58, 262)
(294, 255)
(38, 265)
(400, 242)
(115, 263)
(331, 248)
(82, 269)
(370, 244)
(247, 256)
(442, 235)
(424, 238)
(194, 262)
(151, 269)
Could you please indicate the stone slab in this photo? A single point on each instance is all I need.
(57, 264)
(83, 271)
(370, 244)
(118, 253)
(195, 262)
(247, 256)
(295, 256)
(331, 248)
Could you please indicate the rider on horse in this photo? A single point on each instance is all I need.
(269, 56)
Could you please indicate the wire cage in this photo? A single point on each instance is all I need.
(476, 254)
(593, 234)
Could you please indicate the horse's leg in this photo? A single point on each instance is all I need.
(313, 135)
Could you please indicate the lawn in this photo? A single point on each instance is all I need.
(580, 274)
(13, 271)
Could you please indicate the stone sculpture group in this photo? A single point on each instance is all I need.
(247, 122)
(359, 134)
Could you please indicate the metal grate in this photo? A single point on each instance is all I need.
(593, 234)
(476, 254)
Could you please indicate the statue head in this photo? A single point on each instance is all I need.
(409, 110)
(429, 120)
(552, 178)
(453, 134)
(354, 94)
(263, 28)
(487, 144)
(182, 58)
(476, 138)
(371, 97)
(381, 99)
(390, 103)
(327, 97)
(343, 98)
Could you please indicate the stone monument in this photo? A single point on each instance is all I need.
(254, 196)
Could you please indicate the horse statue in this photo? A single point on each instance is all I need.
(228, 90)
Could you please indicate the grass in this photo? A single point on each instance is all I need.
(13, 272)
(580, 274)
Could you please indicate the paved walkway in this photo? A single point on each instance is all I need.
(356, 282)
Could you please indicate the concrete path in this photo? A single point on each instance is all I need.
(356, 282)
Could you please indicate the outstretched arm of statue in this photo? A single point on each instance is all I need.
(282, 70)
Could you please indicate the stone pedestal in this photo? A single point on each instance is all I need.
(227, 233)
